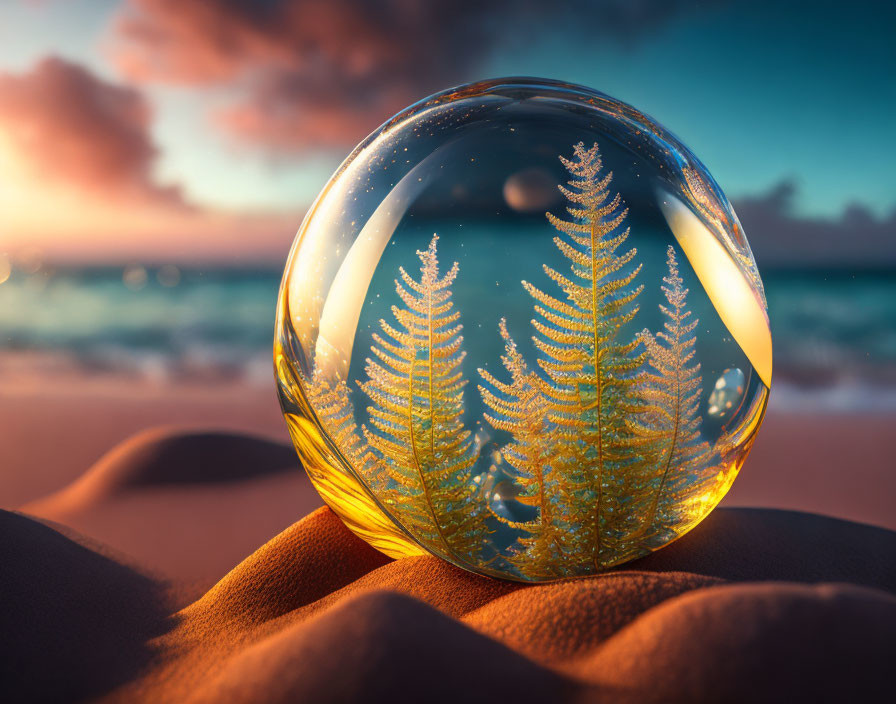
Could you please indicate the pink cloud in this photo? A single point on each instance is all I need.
(326, 72)
(64, 126)
(76, 168)
(310, 73)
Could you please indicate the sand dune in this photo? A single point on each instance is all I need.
(185, 504)
(56, 429)
(725, 614)
(744, 643)
(837, 464)
(75, 622)
(189, 504)
(166, 457)
(753, 605)
(754, 643)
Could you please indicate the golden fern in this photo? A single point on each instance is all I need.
(520, 408)
(339, 488)
(590, 372)
(675, 454)
(330, 398)
(415, 386)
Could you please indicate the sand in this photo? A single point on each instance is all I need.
(126, 577)
(185, 504)
(197, 519)
(56, 429)
(316, 615)
(838, 464)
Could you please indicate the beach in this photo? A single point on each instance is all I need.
(154, 508)
(600, 353)
(831, 463)
(752, 605)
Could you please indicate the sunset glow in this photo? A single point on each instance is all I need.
(129, 131)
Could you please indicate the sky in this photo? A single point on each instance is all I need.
(157, 128)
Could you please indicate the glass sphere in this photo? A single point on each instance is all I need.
(521, 329)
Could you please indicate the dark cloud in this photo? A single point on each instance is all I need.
(64, 125)
(325, 72)
(779, 238)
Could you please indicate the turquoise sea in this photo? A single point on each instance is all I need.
(834, 333)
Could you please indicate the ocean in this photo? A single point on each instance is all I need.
(834, 333)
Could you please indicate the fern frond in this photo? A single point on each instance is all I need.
(669, 428)
(330, 397)
(520, 408)
(415, 418)
(591, 371)
(570, 452)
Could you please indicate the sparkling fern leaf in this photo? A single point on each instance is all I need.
(331, 400)
(415, 386)
(675, 452)
(591, 373)
(520, 408)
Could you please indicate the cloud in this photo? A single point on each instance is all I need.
(325, 72)
(778, 237)
(62, 126)
(76, 179)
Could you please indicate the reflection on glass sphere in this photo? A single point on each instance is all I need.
(494, 328)
(497, 491)
(727, 394)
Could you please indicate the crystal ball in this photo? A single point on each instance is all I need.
(521, 329)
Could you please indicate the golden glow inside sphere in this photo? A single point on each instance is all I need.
(521, 329)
